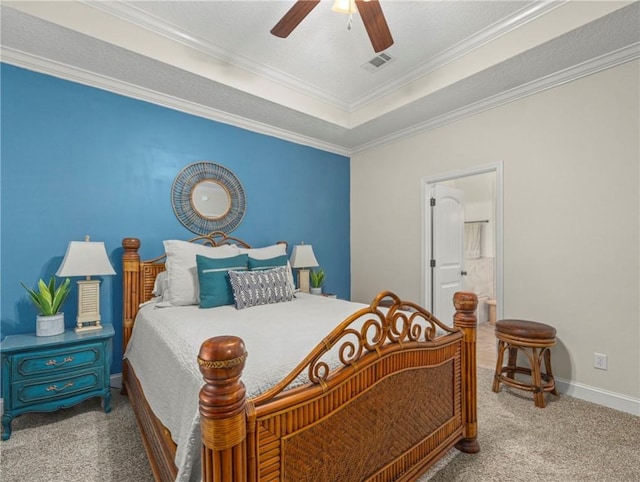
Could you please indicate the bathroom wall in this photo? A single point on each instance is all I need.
(479, 205)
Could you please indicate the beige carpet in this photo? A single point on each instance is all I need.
(570, 440)
(81, 443)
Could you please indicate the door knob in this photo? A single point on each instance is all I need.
(463, 273)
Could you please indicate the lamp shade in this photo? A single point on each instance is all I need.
(303, 257)
(85, 258)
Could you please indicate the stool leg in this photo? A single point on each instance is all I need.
(513, 360)
(538, 394)
(547, 364)
(496, 377)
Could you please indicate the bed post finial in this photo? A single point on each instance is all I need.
(465, 319)
(222, 408)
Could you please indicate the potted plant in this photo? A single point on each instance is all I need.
(317, 278)
(48, 299)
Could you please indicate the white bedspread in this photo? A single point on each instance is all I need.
(165, 343)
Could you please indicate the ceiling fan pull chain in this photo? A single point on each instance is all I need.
(349, 21)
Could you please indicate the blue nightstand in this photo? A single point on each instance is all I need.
(45, 373)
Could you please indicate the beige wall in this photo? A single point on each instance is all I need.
(571, 160)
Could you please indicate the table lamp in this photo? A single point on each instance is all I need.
(302, 258)
(87, 258)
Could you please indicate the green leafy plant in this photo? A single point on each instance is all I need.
(48, 298)
(317, 278)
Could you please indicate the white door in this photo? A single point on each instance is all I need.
(447, 249)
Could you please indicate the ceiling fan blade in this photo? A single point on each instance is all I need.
(293, 17)
(375, 23)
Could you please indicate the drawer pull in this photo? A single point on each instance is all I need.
(54, 388)
(54, 363)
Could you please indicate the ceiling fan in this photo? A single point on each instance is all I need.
(370, 11)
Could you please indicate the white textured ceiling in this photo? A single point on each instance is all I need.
(217, 59)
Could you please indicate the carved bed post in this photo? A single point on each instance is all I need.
(131, 293)
(465, 318)
(130, 282)
(222, 410)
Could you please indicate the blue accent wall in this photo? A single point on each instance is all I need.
(77, 160)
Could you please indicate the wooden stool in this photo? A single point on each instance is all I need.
(535, 339)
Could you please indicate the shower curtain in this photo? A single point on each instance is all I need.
(472, 240)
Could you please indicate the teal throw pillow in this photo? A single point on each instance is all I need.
(213, 278)
(262, 264)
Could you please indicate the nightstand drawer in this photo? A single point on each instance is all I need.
(54, 361)
(45, 373)
(36, 391)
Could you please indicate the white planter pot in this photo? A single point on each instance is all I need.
(50, 325)
(315, 291)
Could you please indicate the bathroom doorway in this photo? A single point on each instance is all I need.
(481, 244)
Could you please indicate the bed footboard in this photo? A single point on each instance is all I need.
(403, 398)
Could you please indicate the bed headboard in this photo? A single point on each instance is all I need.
(139, 276)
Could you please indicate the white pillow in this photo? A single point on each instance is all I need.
(183, 288)
(160, 284)
(271, 252)
(266, 252)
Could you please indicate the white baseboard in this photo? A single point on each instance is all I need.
(605, 398)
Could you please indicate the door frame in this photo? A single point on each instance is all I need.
(425, 255)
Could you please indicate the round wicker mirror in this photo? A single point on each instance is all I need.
(211, 199)
(208, 197)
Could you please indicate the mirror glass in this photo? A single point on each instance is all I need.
(210, 199)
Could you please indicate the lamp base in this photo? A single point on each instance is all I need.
(303, 280)
(88, 318)
(82, 328)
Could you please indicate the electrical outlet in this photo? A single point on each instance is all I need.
(600, 361)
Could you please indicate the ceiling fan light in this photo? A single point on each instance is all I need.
(344, 6)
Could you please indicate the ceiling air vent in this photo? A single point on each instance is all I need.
(377, 62)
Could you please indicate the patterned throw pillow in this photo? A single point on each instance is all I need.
(253, 288)
(270, 253)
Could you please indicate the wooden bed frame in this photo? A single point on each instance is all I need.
(401, 400)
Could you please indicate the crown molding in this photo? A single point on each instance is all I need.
(91, 79)
(612, 59)
(141, 19)
(66, 72)
(459, 50)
